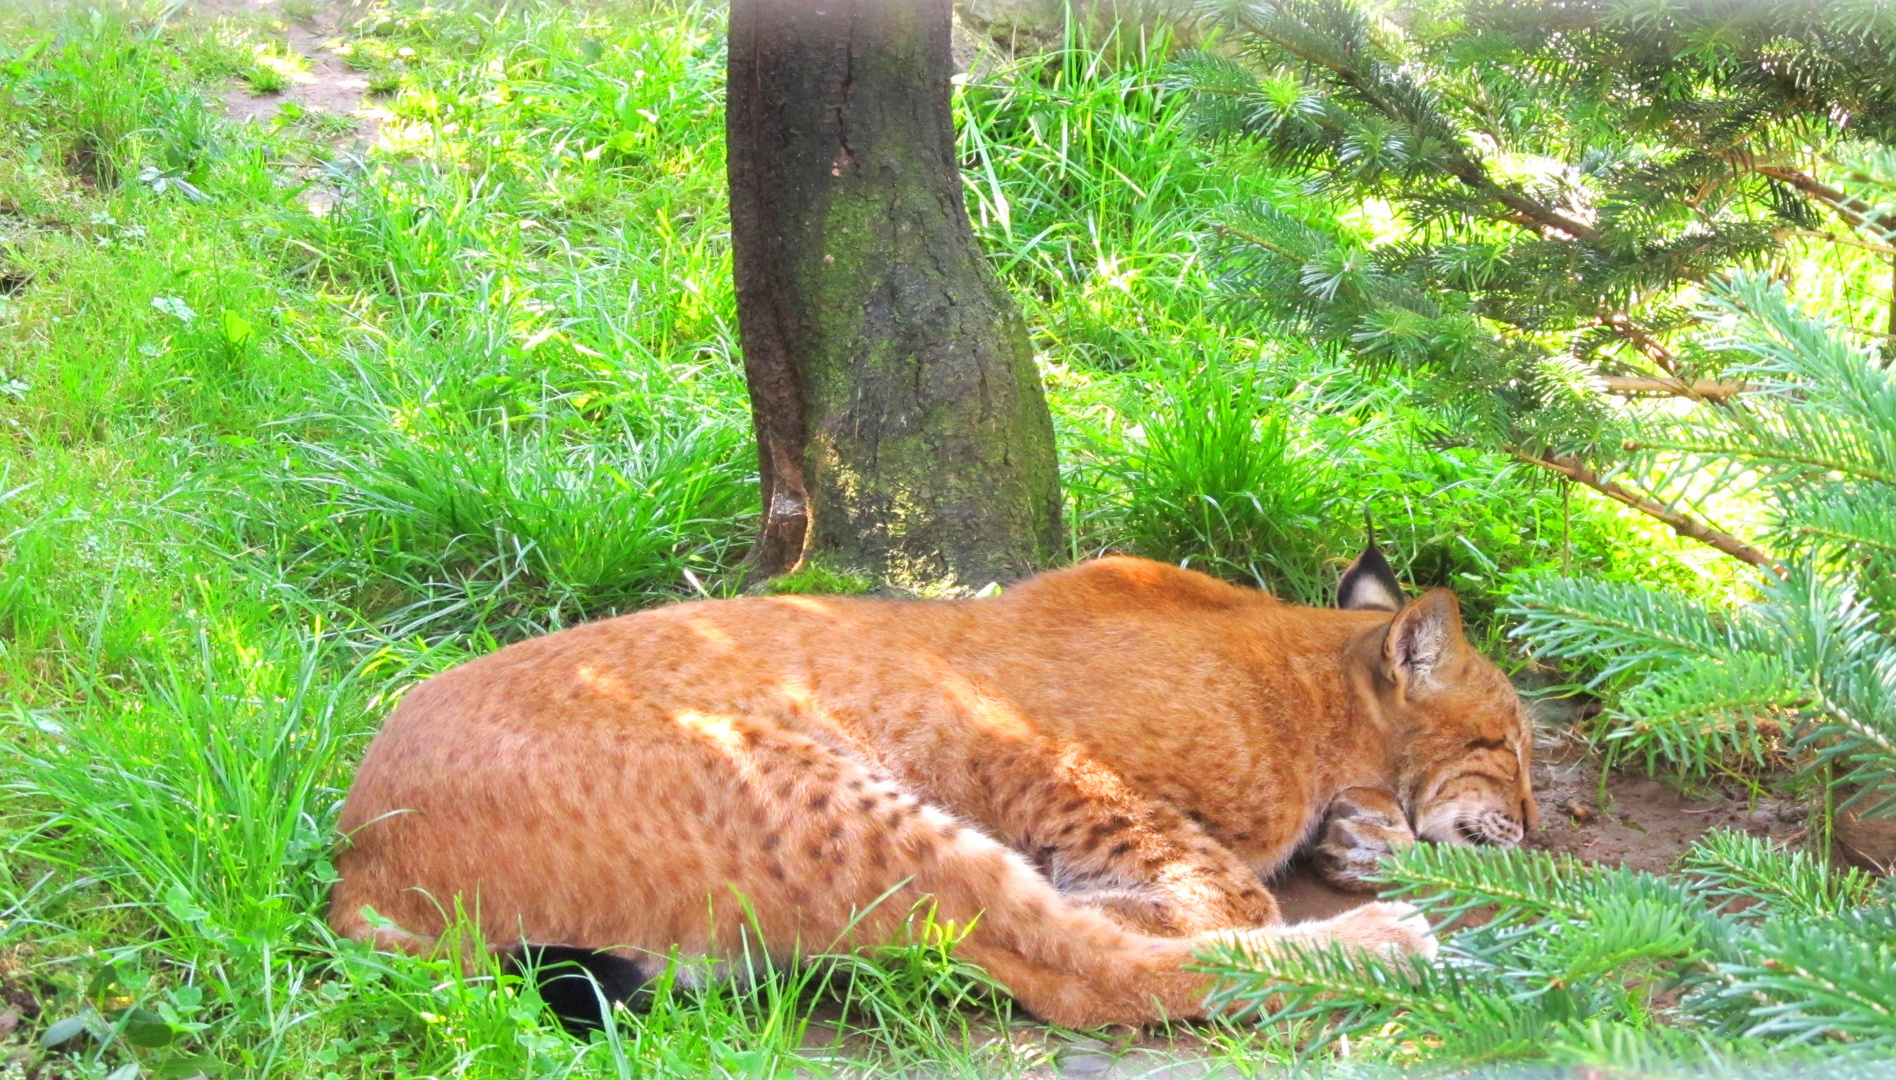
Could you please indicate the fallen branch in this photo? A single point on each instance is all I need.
(1683, 525)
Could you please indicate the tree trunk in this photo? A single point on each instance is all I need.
(901, 426)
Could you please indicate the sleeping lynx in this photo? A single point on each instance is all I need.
(1102, 764)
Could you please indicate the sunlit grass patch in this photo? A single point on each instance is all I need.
(206, 782)
(380, 63)
(559, 522)
(273, 69)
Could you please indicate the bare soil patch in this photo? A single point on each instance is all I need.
(1641, 822)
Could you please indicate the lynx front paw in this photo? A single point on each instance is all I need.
(1355, 836)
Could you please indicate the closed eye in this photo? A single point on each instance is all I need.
(1507, 768)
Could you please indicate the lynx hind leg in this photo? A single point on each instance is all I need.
(1360, 827)
(852, 860)
(1067, 963)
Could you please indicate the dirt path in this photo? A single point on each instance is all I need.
(329, 86)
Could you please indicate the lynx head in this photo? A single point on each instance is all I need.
(1463, 737)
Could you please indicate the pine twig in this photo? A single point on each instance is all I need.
(1464, 166)
(1696, 389)
(1685, 526)
(1637, 335)
(1847, 241)
(1854, 212)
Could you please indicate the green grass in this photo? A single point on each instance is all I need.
(262, 468)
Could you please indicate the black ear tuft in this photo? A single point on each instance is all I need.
(1370, 582)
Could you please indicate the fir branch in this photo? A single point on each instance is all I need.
(1707, 713)
(1854, 524)
(1448, 881)
(1816, 982)
(1832, 238)
(1852, 211)
(1732, 865)
(1623, 326)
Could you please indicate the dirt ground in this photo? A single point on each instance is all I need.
(1643, 823)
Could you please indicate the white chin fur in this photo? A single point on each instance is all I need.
(1437, 825)
(1452, 823)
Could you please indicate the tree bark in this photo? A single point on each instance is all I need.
(901, 425)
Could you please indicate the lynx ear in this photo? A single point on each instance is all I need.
(1370, 583)
(1421, 637)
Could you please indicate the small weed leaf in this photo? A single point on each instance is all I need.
(178, 903)
(174, 307)
(143, 1028)
(237, 329)
(64, 1031)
